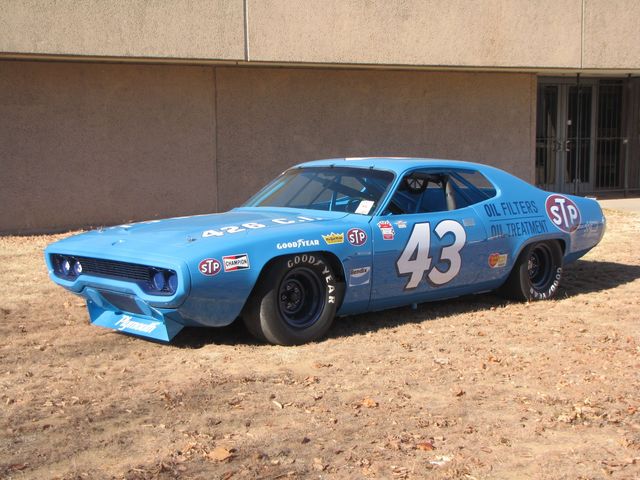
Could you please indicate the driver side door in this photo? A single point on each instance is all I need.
(425, 247)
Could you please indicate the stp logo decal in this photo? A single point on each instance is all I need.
(563, 212)
(357, 237)
(209, 267)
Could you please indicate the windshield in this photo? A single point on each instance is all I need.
(339, 189)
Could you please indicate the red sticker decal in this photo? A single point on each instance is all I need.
(357, 237)
(388, 233)
(209, 267)
(233, 263)
(497, 260)
(563, 212)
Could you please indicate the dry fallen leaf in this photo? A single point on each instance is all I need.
(425, 446)
(17, 467)
(319, 465)
(190, 446)
(369, 403)
(321, 365)
(220, 454)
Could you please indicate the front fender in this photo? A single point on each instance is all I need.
(217, 300)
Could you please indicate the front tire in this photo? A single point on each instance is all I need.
(295, 300)
(536, 274)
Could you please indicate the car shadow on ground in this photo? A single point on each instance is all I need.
(581, 277)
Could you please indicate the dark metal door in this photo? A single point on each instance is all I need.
(580, 142)
(611, 143)
(564, 137)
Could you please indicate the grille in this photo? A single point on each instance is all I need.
(113, 268)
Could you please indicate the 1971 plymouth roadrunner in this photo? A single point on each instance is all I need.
(330, 238)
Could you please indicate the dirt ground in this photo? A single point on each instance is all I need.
(471, 388)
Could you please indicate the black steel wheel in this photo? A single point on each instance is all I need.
(295, 300)
(540, 266)
(301, 297)
(536, 274)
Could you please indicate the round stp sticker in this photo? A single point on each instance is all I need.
(563, 212)
(357, 236)
(209, 267)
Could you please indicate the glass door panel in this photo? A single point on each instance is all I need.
(610, 138)
(547, 136)
(577, 165)
(581, 144)
(565, 132)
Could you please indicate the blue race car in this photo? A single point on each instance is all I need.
(330, 238)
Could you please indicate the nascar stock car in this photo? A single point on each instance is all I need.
(330, 238)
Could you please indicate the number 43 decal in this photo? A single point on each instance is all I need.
(415, 260)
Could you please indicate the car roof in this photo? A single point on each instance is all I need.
(395, 164)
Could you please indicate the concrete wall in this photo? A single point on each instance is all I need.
(564, 34)
(508, 33)
(612, 34)
(126, 28)
(91, 144)
(86, 144)
(270, 119)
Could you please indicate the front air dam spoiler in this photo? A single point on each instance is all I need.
(154, 325)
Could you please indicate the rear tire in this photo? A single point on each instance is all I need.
(536, 274)
(295, 300)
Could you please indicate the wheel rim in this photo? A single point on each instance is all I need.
(300, 298)
(539, 266)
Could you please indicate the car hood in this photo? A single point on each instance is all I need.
(172, 234)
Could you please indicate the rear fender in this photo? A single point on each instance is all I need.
(531, 241)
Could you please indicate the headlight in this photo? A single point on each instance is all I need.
(65, 266)
(173, 282)
(158, 281)
(161, 282)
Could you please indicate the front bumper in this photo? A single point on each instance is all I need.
(121, 304)
(137, 317)
(203, 302)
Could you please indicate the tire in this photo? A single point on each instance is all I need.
(295, 300)
(536, 274)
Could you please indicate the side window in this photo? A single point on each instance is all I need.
(471, 187)
(434, 198)
(433, 191)
(403, 201)
(419, 192)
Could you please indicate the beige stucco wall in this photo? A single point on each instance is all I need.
(91, 144)
(269, 119)
(503, 34)
(612, 34)
(509, 33)
(211, 29)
